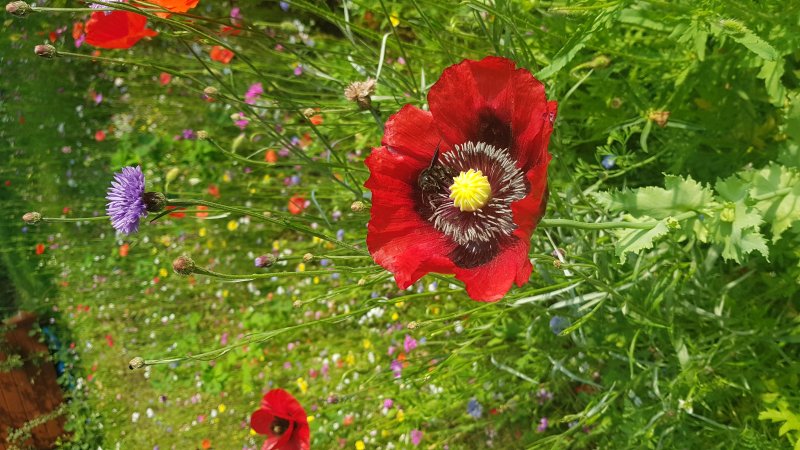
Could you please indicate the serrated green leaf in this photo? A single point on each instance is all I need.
(778, 207)
(743, 35)
(771, 72)
(678, 195)
(634, 241)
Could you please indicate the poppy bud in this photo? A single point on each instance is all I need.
(32, 218)
(360, 92)
(265, 260)
(308, 257)
(183, 265)
(173, 174)
(45, 51)
(297, 304)
(136, 363)
(19, 9)
(357, 206)
(154, 201)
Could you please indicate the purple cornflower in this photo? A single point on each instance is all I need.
(409, 343)
(474, 408)
(284, 5)
(188, 134)
(253, 92)
(125, 203)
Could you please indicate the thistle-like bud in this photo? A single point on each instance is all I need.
(45, 51)
(32, 218)
(183, 265)
(265, 260)
(210, 91)
(659, 117)
(357, 206)
(308, 113)
(297, 304)
(308, 257)
(136, 363)
(360, 92)
(19, 9)
(202, 135)
(154, 201)
(412, 325)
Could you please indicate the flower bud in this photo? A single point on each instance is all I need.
(308, 113)
(412, 325)
(297, 304)
(154, 201)
(202, 135)
(357, 206)
(19, 9)
(173, 174)
(308, 257)
(265, 260)
(136, 363)
(360, 92)
(183, 265)
(32, 218)
(45, 51)
(210, 91)
(659, 117)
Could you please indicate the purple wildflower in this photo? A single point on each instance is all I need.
(416, 437)
(298, 70)
(284, 5)
(474, 408)
(189, 134)
(125, 203)
(543, 424)
(388, 403)
(397, 368)
(544, 395)
(253, 92)
(409, 343)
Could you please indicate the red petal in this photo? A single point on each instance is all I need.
(528, 211)
(397, 237)
(261, 420)
(491, 101)
(281, 404)
(412, 132)
(491, 281)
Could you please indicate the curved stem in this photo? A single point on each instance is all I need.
(254, 276)
(552, 223)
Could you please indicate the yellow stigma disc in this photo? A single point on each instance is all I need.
(470, 190)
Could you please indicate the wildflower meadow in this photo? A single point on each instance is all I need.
(400, 224)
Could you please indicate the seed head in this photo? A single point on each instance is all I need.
(360, 92)
(45, 51)
(202, 135)
(412, 325)
(308, 257)
(183, 265)
(32, 218)
(210, 91)
(265, 260)
(19, 9)
(136, 363)
(357, 206)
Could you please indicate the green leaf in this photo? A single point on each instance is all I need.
(771, 72)
(633, 240)
(743, 35)
(678, 195)
(736, 224)
(779, 207)
(575, 43)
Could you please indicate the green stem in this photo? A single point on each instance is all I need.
(72, 219)
(35, 8)
(553, 223)
(283, 222)
(770, 195)
(254, 276)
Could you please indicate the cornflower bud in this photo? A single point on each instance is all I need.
(45, 51)
(154, 201)
(19, 9)
(308, 257)
(357, 206)
(183, 265)
(32, 218)
(136, 363)
(360, 92)
(265, 260)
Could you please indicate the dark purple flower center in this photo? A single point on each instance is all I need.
(481, 234)
(279, 426)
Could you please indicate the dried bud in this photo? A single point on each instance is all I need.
(308, 113)
(308, 257)
(357, 206)
(297, 304)
(19, 9)
(360, 92)
(45, 51)
(265, 260)
(183, 265)
(202, 135)
(210, 91)
(659, 117)
(412, 325)
(32, 218)
(136, 363)
(154, 201)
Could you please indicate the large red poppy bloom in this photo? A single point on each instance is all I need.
(116, 29)
(283, 420)
(460, 188)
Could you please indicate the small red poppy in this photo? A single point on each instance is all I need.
(176, 5)
(117, 29)
(283, 420)
(164, 78)
(221, 54)
(39, 249)
(460, 188)
(297, 204)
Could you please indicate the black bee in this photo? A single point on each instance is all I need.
(432, 178)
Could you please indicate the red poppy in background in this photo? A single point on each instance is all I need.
(460, 188)
(283, 420)
(164, 78)
(39, 249)
(176, 5)
(221, 54)
(117, 29)
(297, 204)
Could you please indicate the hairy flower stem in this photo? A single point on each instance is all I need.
(72, 219)
(552, 223)
(280, 221)
(254, 276)
(35, 8)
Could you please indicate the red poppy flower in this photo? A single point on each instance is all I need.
(297, 204)
(117, 29)
(221, 54)
(164, 78)
(39, 249)
(283, 420)
(460, 188)
(176, 5)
